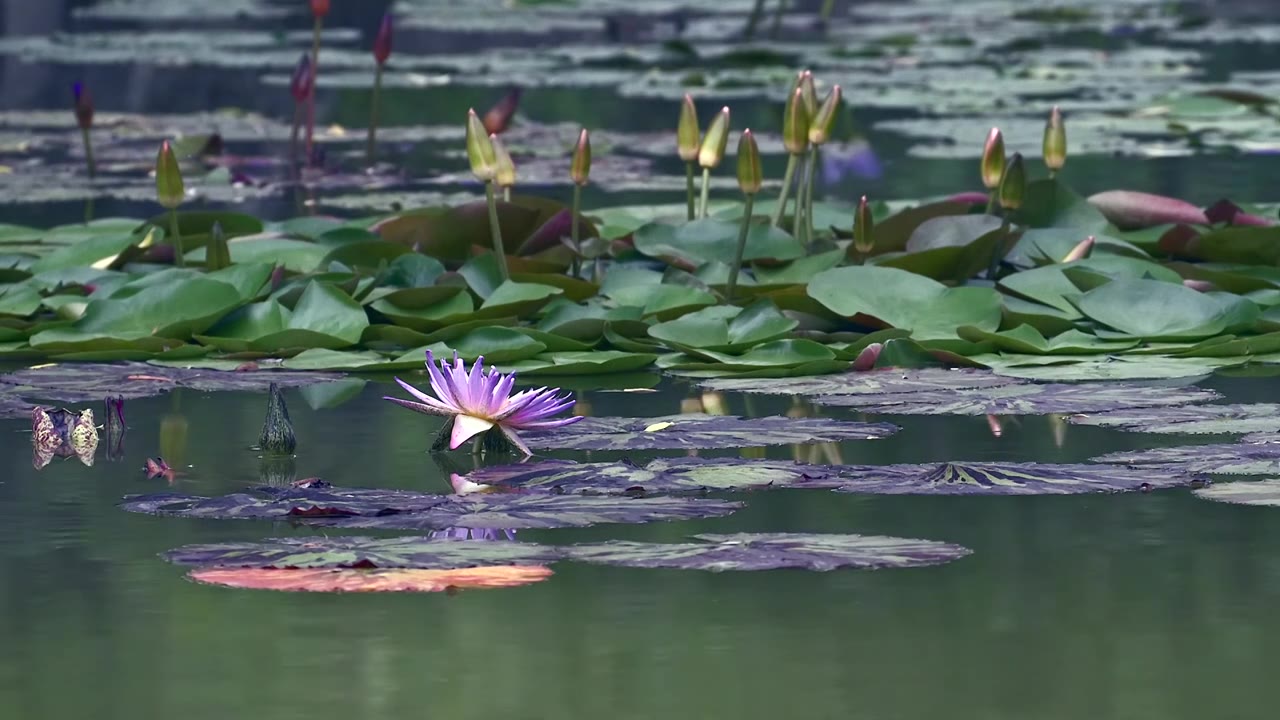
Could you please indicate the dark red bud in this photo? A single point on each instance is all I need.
(304, 81)
(319, 8)
(382, 43)
(499, 116)
(84, 106)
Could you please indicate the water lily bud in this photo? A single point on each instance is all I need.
(867, 358)
(580, 168)
(804, 81)
(1055, 141)
(484, 163)
(687, 133)
(319, 8)
(217, 255)
(1080, 251)
(84, 106)
(277, 430)
(795, 124)
(825, 119)
(993, 160)
(505, 170)
(1013, 183)
(715, 141)
(499, 116)
(750, 176)
(303, 81)
(863, 241)
(382, 41)
(169, 189)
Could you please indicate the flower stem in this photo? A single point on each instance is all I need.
(788, 177)
(372, 149)
(689, 191)
(828, 6)
(88, 153)
(753, 20)
(741, 250)
(811, 173)
(315, 75)
(496, 231)
(991, 203)
(573, 227)
(1053, 174)
(994, 266)
(777, 18)
(706, 191)
(175, 239)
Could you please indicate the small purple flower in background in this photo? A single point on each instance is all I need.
(852, 160)
(481, 400)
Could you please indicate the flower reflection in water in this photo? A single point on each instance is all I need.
(62, 433)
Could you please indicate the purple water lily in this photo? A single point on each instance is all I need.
(481, 400)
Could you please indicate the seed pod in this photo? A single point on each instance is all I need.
(169, 188)
(687, 133)
(993, 160)
(750, 175)
(580, 167)
(715, 141)
(825, 119)
(84, 106)
(1055, 141)
(863, 227)
(382, 41)
(505, 169)
(1013, 184)
(480, 152)
(795, 124)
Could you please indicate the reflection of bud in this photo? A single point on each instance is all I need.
(582, 406)
(277, 470)
(173, 437)
(277, 436)
(994, 424)
(691, 406)
(1058, 428)
(713, 404)
(799, 409)
(993, 160)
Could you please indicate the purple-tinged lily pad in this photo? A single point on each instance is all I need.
(1023, 399)
(398, 509)
(771, 551)
(698, 431)
(1192, 419)
(875, 382)
(364, 552)
(90, 382)
(691, 473)
(1005, 479)
(566, 476)
(1243, 458)
(1265, 493)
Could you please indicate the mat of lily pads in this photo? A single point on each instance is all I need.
(876, 382)
(741, 551)
(393, 509)
(1023, 399)
(1192, 419)
(1265, 493)
(699, 431)
(674, 475)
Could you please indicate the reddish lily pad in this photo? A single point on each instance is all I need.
(356, 580)
(1023, 399)
(698, 431)
(875, 382)
(1193, 419)
(364, 552)
(398, 509)
(771, 551)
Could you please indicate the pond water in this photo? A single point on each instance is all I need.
(1153, 605)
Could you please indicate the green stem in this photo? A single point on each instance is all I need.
(88, 153)
(777, 18)
(812, 172)
(573, 227)
(506, 193)
(828, 7)
(88, 209)
(991, 203)
(741, 249)
(994, 266)
(689, 191)
(372, 149)
(1053, 174)
(315, 81)
(706, 192)
(175, 239)
(756, 11)
(495, 231)
(787, 178)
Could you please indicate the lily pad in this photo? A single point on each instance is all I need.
(771, 551)
(1155, 310)
(1265, 493)
(1194, 419)
(874, 382)
(889, 297)
(363, 552)
(1022, 399)
(706, 240)
(1243, 458)
(358, 580)
(1005, 479)
(390, 509)
(697, 431)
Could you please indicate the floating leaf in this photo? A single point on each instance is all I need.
(724, 328)
(1193, 419)
(889, 297)
(700, 241)
(1152, 310)
(364, 552)
(1023, 399)
(875, 382)
(1006, 479)
(1243, 458)
(393, 580)
(701, 431)
(1264, 493)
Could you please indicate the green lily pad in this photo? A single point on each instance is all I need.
(706, 240)
(888, 297)
(1023, 399)
(580, 363)
(1263, 493)
(725, 329)
(1155, 310)
(1026, 339)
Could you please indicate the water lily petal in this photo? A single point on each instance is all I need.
(419, 407)
(515, 440)
(438, 382)
(466, 427)
(426, 399)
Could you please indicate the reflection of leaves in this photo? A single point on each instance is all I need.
(353, 580)
(701, 431)
(362, 508)
(1023, 399)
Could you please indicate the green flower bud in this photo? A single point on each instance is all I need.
(1055, 141)
(484, 162)
(504, 174)
(804, 81)
(750, 176)
(863, 226)
(795, 124)
(218, 255)
(1013, 183)
(820, 128)
(169, 189)
(715, 141)
(993, 160)
(687, 133)
(580, 168)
